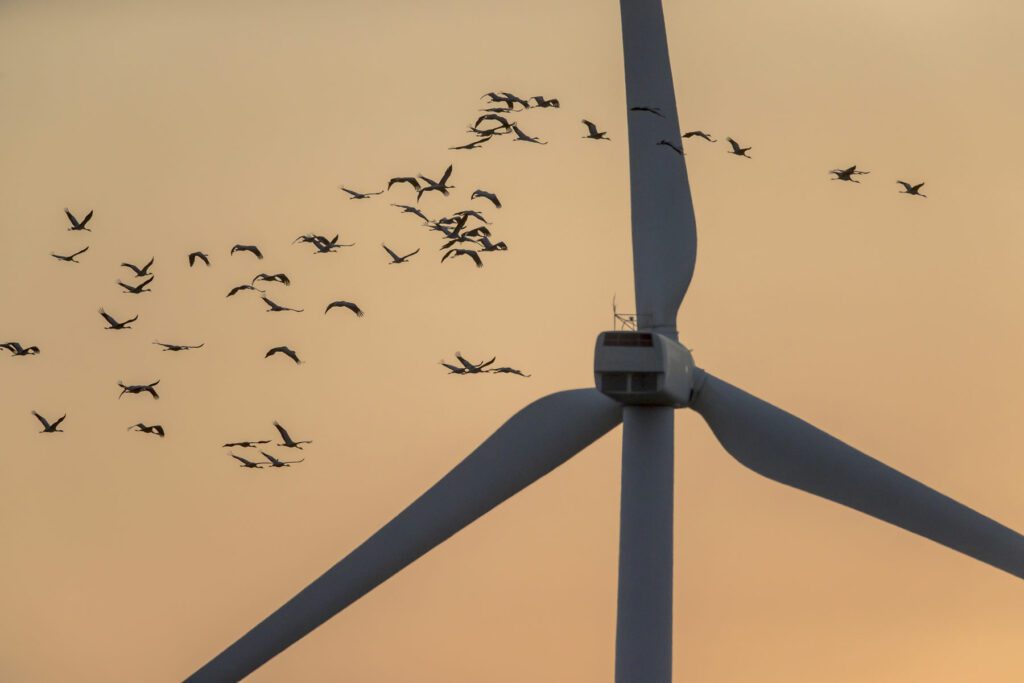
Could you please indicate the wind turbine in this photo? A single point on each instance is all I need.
(642, 377)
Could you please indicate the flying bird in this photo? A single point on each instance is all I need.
(847, 174)
(454, 369)
(501, 121)
(736, 149)
(593, 133)
(288, 441)
(274, 462)
(178, 347)
(148, 429)
(71, 258)
(327, 246)
(540, 101)
(699, 134)
(138, 389)
(255, 251)
(115, 325)
(17, 349)
(475, 144)
(279, 277)
(486, 245)
(359, 195)
(464, 252)
(461, 216)
(246, 444)
(47, 427)
(286, 351)
(247, 463)
(240, 288)
(346, 304)
(523, 137)
(441, 185)
(395, 258)
(508, 371)
(137, 289)
(75, 224)
(413, 210)
(650, 110)
(412, 181)
(484, 194)
(274, 308)
(198, 255)
(472, 368)
(675, 148)
(911, 189)
(140, 272)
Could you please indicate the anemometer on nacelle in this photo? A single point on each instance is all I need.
(643, 368)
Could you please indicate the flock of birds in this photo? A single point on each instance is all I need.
(459, 238)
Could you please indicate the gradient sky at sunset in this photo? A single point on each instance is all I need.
(892, 322)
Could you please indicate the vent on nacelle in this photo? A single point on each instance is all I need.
(628, 339)
(643, 381)
(614, 381)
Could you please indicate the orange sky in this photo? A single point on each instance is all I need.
(892, 322)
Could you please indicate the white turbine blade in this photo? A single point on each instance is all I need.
(664, 229)
(643, 637)
(532, 443)
(782, 447)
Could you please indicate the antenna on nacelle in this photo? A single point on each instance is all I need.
(622, 321)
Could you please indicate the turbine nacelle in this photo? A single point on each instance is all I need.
(644, 368)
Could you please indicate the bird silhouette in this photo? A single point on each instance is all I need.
(254, 250)
(198, 256)
(71, 258)
(395, 258)
(736, 149)
(675, 148)
(245, 444)
(345, 304)
(137, 289)
(148, 429)
(279, 277)
(17, 349)
(523, 137)
(274, 462)
(75, 223)
(490, 196)
(245, 288)
(486, 244)
(413, 210)
(404, 179)
(49, 428)
(593, 133)
(475, 144)
(248, 463)
(178, 347)
(289, 442)
(699, 134)
(359, 195)
(541, 102)
(847, 174)
(140, 272)
(463, 252)
(508, 371)
(275, 308)
(286, 351)
(114, 324)
(911, 189)
(138, 389)
(472, 368)
(650, 110)
(441, 185)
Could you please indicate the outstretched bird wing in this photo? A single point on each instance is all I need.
(42, 420)
(392, 254)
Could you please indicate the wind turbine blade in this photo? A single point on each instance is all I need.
(664, 228)
(782, 447)
(643, 638)
(532, 443)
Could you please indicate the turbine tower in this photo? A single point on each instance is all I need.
(642, 377)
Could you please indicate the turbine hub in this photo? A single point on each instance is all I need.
(644, 368)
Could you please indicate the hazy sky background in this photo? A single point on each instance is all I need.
(890, 321)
